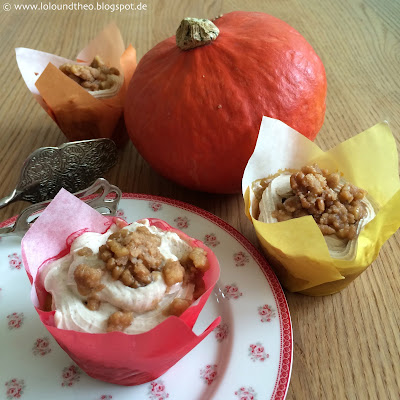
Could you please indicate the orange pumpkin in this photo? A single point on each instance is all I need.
(194, 114)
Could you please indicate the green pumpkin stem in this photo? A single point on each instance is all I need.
(195, 32)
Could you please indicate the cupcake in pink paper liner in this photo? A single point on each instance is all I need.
(121, 299)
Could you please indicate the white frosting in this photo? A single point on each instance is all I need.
(112, 91)
(277, 189)
(71, 312)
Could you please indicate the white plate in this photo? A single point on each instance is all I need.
(248, 357)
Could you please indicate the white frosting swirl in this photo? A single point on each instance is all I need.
(71, 312)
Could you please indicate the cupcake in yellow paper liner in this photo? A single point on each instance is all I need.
(84, 97)
(322, 217)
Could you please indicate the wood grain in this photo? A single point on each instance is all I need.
(347, 346)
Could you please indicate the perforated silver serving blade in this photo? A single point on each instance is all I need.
(73, 166)
(106, 206)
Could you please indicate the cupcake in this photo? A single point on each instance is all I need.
(85, 97)
(116, 296)
(321, 217)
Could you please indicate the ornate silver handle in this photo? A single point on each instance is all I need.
(10, 198)
(73, 166)
(106, 206)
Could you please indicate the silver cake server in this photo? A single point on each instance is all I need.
(101, 196)
(73, 166)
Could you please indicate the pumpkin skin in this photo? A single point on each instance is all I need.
(194, 115)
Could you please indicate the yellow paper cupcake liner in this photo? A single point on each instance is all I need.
(296, 248)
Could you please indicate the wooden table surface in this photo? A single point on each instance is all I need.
(346, 346)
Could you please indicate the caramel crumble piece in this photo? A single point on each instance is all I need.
(350, 193)
(173, 272)
(122, 260)
(195, 275)
(85, 252)
(88, 279)
(141, 273)
(178, 306)
(93, 303)
(117, 248)
(104, 253)
(190, 272)
(199, 258)
(333, 180)
(199, 287)
(111, 264)
(96, 76)
(128, 280)
(117, 272)
(119, 321)
(144, 246)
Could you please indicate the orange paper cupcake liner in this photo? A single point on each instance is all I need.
(79, 115)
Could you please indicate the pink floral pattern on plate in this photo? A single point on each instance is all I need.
(257, 352)
(209, 373)
(221, 332)
(232, 291)
(211, 240)
(246, 393)
(181, 222)
(15, 388)
(157, 391)
(241, 259)
(266, 313)
(106, 397)
(70, 375)
(41, 347)
(14, 260)
(15, 320)
(120, 214)
(155, 205)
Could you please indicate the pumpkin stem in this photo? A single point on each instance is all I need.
(195, 32)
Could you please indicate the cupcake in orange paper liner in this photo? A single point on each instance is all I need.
(120, 299)
(84, 97)
(322, 217)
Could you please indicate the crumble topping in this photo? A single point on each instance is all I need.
(131, 256)
(173, 272)
(85, 251)
(199, 258)
(119, 321)
(88, 279)
(96, 76)
(335, 207)
(178, 306)
(93, 303)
